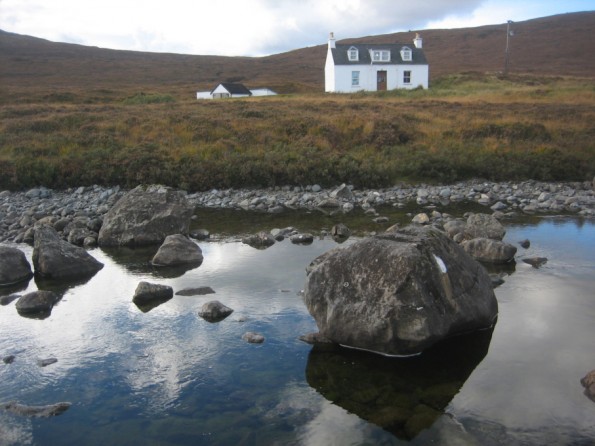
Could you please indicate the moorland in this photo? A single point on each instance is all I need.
(72, 115)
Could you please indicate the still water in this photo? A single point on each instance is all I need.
(167, 377)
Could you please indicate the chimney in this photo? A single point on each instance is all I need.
(417, 41)
(331, 40)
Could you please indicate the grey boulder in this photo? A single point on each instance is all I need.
(147, 294)
(37, 302)
(214, 311)
(399, 293)
(145, 216)
(177, 250)
(484, 226)
(54, 258)
(489, 251)
(14, 266)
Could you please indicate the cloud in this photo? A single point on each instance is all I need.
(240, 27)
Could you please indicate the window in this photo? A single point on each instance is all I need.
(353, 54)
(380, 56)
(406, 77)
(355, 78)
(406, 53)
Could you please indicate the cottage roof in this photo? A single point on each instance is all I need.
(235, 88)
(340, 54)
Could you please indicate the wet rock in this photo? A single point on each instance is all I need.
(253, 338)
(148, 293)
(317, 339)
(36, 411)
(46, 362)
(54, 258)
(302, 239)
(399, 293)
(214, 311)
(280, 234)
(14, 266)
(200, 291)
(37, 302)
(177, 250)
(145, 216)
(535, 262)
(8, 359)
(525, 244)
(262, 240)
(489, 251)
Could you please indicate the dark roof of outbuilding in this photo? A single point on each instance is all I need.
(234, 88)
(340, 54)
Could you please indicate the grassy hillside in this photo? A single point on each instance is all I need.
(73, 115)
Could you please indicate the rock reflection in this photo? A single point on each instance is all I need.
(138, 261)
(402, 395)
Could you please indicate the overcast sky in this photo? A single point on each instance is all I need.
(253, 27)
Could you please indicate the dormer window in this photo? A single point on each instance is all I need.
(380, 55)
(406, 54)
(353, 54)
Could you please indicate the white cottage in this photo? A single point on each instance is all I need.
(374, 67)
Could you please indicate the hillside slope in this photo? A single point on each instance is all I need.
(556, 45)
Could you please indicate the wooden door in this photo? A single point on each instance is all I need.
(381, 81)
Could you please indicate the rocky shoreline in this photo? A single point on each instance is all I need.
(78, 212)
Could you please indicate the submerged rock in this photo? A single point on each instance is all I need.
(199, 291)
(36, 411)
(253, 338)
(46, 362)
(14, 266)
(399, 293)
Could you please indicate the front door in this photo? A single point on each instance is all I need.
(381, 81)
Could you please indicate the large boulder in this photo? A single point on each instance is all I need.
(54, 258)
(489, 251)
(14, 266)
(145, 216)
(177, 250)
(484, 226)
(399, 293)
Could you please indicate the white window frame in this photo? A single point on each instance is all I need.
(406, 54)
(353, 54)
(380, 55)
(407, 77)
(355, 76)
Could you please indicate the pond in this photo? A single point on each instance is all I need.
(168, 377)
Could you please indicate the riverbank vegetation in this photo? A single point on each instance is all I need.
(465, 126)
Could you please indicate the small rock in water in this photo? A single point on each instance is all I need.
(36, 411)
(253, 338)
(303, 239)
(535, 262)
(214, 311)
(525, 243)
(588, 382)
(8, 359)
(200, 291)
(46, 362)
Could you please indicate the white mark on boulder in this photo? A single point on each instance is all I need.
(440, 263)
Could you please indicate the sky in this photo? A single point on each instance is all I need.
(253, 27)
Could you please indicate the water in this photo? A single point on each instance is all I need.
(167, 377)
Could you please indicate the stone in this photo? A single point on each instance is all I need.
(36, 411)
(340, 232)
(37, 302)
(145, 216)
(177, 250)
(8, 359)
(588, 382)
(253, 338)
(46, 362)
(200, 291)
(484, 226)
(454, 227)
(489, 251)
(329, 203)
(421, 219)
(380, 220)
(54, 258)
(342, 192)
(302, 239)
(262, 240)
(200, 234)
(214, 311)
(525, 244)
(399, 293)
(14, 266)
(147, 292)
(315, 339)
(535, 262)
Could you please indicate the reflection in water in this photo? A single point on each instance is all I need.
(402, 395)
(138, 261)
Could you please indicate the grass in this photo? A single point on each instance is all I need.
(466, 126)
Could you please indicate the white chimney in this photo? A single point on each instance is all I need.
(417, 41)
(331, 40)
